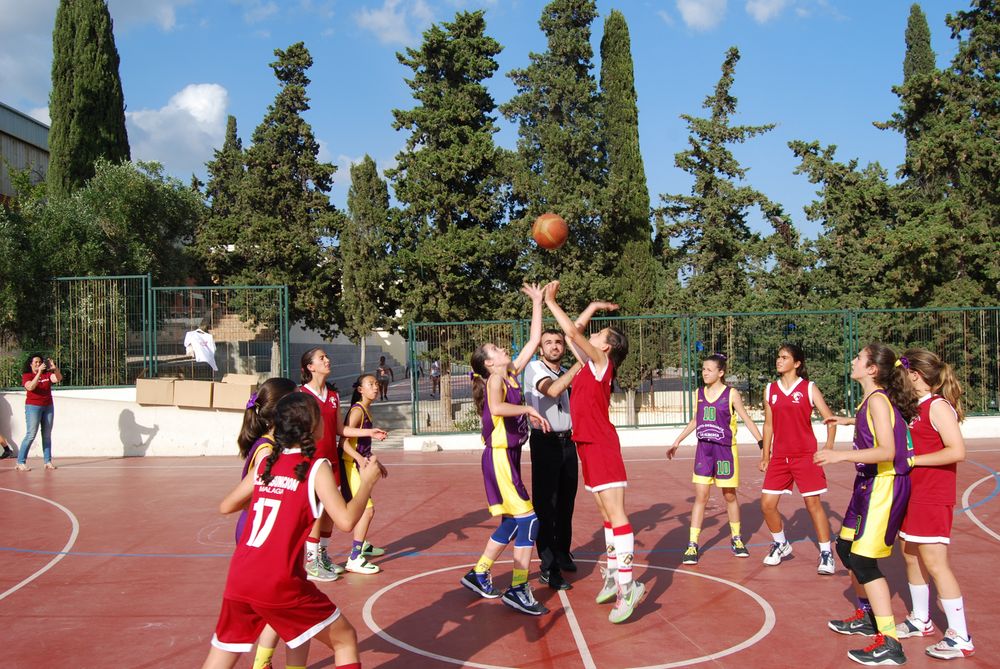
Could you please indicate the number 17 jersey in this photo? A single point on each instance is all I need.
(267, 567)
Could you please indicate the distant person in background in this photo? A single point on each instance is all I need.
(383, 374)
(201, 345)
(37, 376)
(435, 378)
(8, 452)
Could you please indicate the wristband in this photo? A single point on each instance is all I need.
(760, 444)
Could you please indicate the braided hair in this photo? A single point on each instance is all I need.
(259, 416)
(295, 421)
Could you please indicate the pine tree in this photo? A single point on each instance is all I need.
(560, 164)
(86, 104)
(220, 229)
(286, 220)
(365, 239)
(716, 243)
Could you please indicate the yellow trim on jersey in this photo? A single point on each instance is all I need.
(260, 447)
(732, 427)
(882, 468)
(354, 479)
(512, 503)
(353, 441)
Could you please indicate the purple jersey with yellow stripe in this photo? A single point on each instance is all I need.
(716, 422)
(363, 445)
(509, 432)
(864, 437)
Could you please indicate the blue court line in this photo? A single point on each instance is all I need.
(996, 486)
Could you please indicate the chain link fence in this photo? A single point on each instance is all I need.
(657, 384)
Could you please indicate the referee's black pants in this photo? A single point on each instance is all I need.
(554, 480)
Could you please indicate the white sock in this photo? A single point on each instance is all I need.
(955, 611)
(920, 595)
(624, 546)
(311, 547)
(824, 547)
(609, 541)
(779, 537)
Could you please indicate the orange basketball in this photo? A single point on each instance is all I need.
(550, 231)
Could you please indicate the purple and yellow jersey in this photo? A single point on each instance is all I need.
(716, 421)
(363, 445)
(864, 437)
(499, 432)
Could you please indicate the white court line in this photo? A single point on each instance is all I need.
(765, 629)
(574, 626)
(965, 503)
(62, 553)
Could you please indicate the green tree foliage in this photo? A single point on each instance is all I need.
(716, 245)
(283, 217)
(919, 59)
(365, 239)
(22, 271)
(86, 104)
(560, 163)
(221, 226)
(449, 177)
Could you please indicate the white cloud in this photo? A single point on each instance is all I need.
(702, 14)
(391, 23)
(161, 12)
(256, 11)
(763, 11)
(182, 134)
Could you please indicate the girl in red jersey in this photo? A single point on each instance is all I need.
(315, 368)
(926, 532)
(787, 457)
(256, 442)
(352, 451)
(598, 446)
(267, 583)
(717, 459)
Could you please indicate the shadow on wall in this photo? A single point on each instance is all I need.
(131, 435)
(6, 414)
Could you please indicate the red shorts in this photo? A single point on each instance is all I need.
(783, 472)
(927, 523)
(240, 623)
(602, 466)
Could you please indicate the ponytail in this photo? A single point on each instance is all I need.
(295, 421)
(893, 376)
(479, 376)
(258, 418)
(939, 375)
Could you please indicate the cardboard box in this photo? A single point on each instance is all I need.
(231, 395)
(242, 379)
(193, 394)
(154, 391)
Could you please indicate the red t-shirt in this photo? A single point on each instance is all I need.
(267, 567)
(930, 485)
(41, 396)
(791, 419)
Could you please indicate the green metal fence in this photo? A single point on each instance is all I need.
(664, 362)
(109, 331)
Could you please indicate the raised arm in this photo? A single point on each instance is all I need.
(574, 335)
(535, 333)
(583, 320)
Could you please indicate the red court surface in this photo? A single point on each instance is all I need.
(121, 563)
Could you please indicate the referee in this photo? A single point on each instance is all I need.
(554, 462)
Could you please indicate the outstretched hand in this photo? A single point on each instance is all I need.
(533, 291)
(605, 306)
(550, 289)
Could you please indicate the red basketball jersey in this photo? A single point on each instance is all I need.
(589, 402)
(267, 568)
(930, 485)
(791, 419)
(329, 406)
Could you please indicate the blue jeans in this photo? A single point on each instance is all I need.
(33, 417)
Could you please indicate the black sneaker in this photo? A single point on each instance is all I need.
(690, 554)
(554, 580)
(7, 453)
(481, 584)
(565, 562)
(521, 598)
(860, 623)
(884, 651)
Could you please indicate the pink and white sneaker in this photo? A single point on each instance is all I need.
(952, 647)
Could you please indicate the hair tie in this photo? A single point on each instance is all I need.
(903, 362)
(473, 375)
(721, 355)
(252, 402)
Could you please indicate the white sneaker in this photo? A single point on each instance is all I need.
(315, 571)
(952, 647)
(360, 565)
(609, 589)
(826, 565)
(329, 564)
(776, 552)
(914, 626)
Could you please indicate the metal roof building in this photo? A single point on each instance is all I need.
(24, 144)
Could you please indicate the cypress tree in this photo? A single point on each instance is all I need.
(86, 104)
(626, 209)
(364, 243)
(919, 57)
(220, 228)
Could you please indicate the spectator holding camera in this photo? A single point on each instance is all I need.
(37, 376)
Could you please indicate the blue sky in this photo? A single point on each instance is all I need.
(820, 69)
